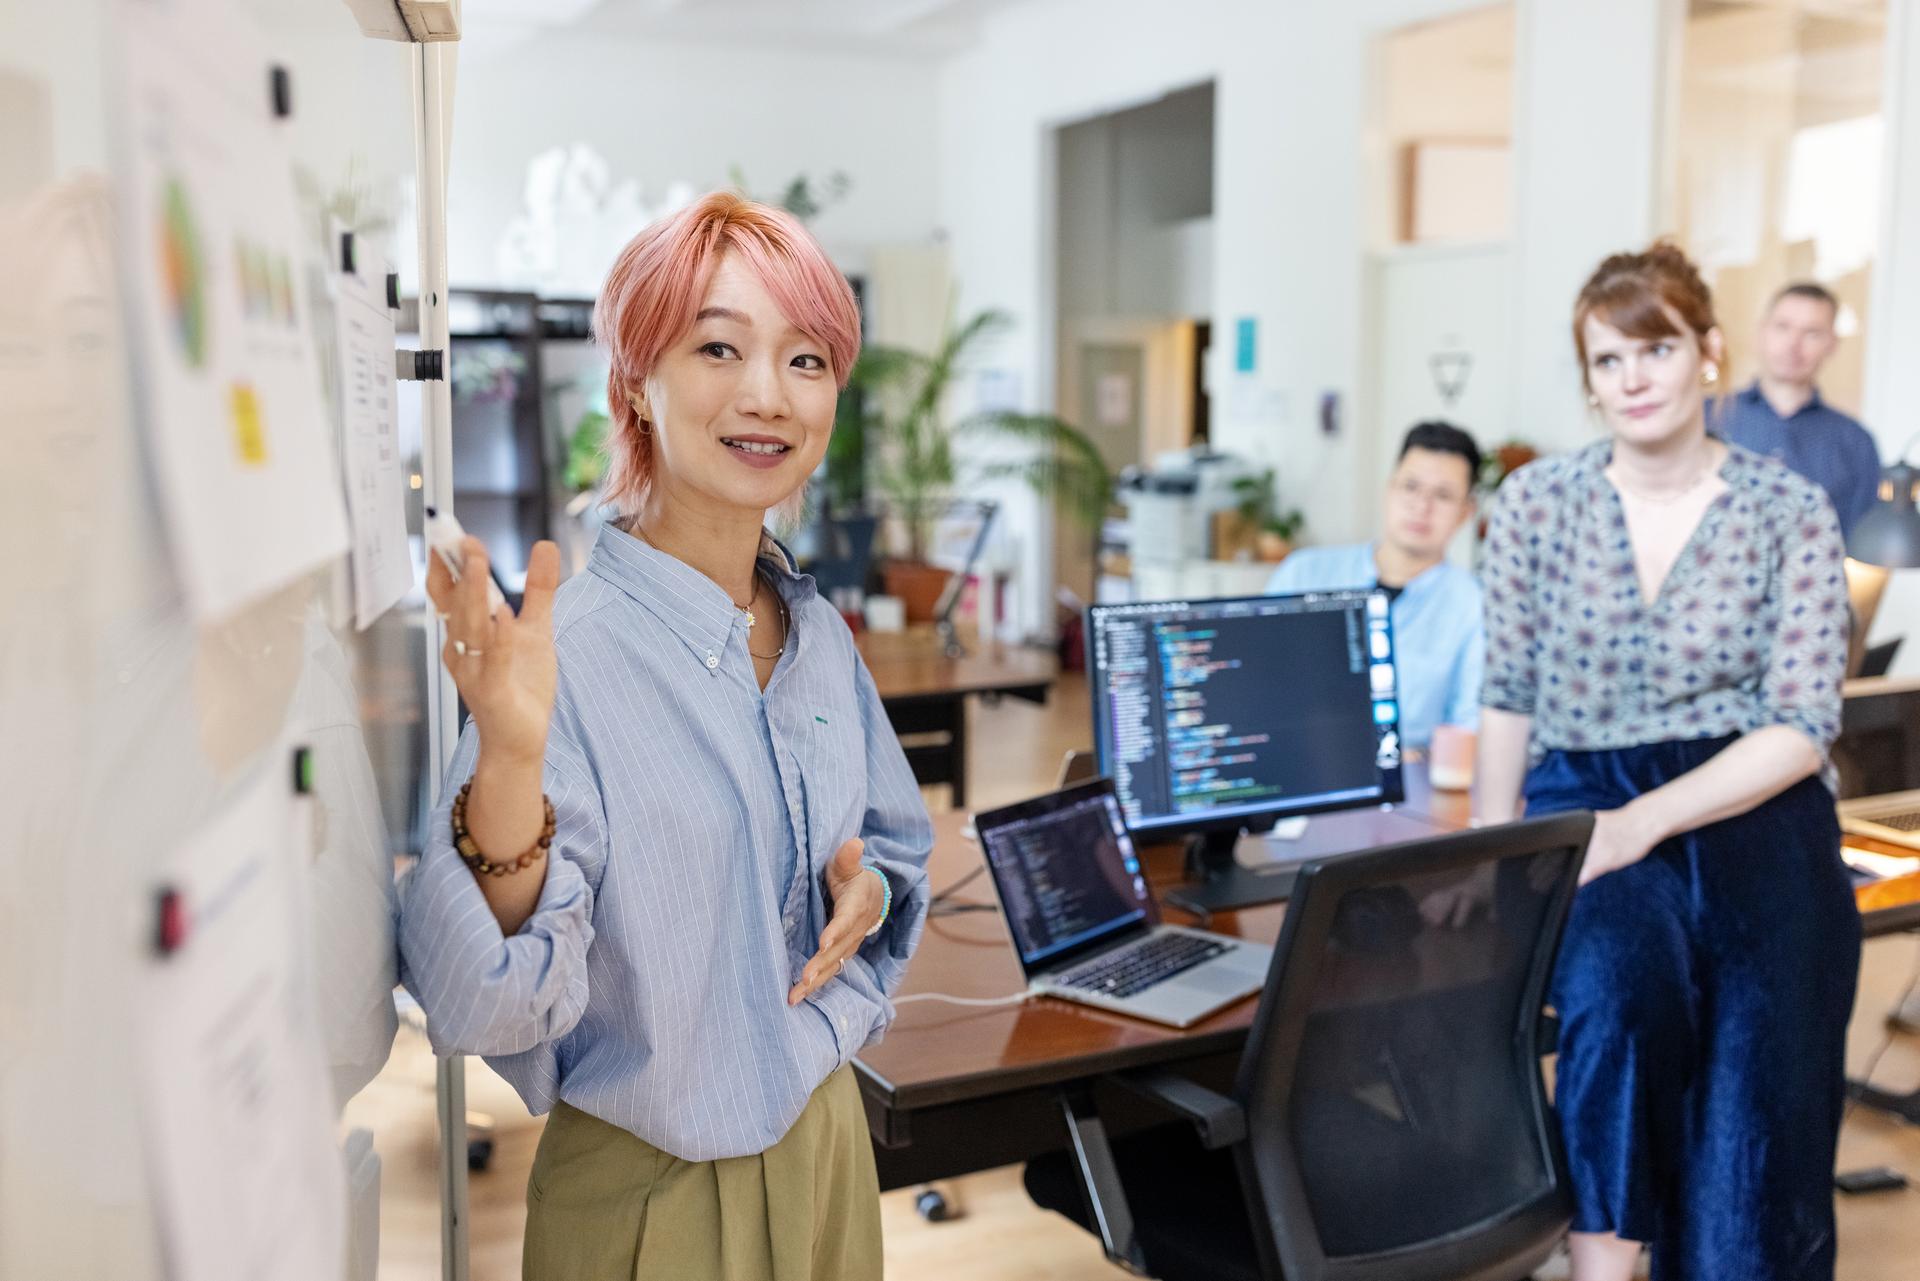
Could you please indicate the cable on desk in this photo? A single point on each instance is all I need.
(955, 909)
(1873, 1062)
(960, 884)
(1015, 999)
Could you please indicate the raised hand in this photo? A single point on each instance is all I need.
(503, 665)
(855, 897)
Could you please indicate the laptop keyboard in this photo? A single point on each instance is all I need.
(1908, 822)
(1134, 969)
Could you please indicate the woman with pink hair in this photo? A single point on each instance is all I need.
(682, 860)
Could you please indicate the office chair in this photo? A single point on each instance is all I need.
(1388, 1120)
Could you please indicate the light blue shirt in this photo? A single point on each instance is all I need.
(1439, 635)
(649, 987)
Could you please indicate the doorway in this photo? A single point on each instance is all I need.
(1134, 235)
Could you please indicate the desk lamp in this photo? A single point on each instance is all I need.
(1886, 538)
(943, 609)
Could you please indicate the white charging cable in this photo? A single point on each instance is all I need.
(1015, 999)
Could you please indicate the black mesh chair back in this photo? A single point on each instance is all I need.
(1397, 1120)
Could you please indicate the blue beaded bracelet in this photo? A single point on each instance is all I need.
(886, 904)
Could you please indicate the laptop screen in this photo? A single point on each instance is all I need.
(1067, 872)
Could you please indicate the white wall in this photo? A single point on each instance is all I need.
(1893, 375)
(1593, 80)
(61, 51)
(658, 113)
(687, 113)
(1432, 298)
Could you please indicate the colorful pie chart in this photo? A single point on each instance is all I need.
(183, 273)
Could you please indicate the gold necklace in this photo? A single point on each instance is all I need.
(1661, 500)
(786, 622)
(786, 618)
(747, 608)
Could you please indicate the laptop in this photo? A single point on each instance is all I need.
(1878, 659)
(1084, 923)
(1894, 818)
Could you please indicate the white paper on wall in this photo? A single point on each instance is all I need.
(229, 392)
(375, 475)
(236, 1108)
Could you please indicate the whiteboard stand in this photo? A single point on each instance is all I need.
(432, 91)
(432, 29)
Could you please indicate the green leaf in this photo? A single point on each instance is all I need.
(910, 448)
(1070, 469)
(587, 452)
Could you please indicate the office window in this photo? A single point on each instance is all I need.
(1779, 148)
(1445, 110)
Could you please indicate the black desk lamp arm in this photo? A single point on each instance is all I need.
(949, 601)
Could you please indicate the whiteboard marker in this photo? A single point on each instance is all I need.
(444, 535)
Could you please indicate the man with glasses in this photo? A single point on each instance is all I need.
(1438, 638)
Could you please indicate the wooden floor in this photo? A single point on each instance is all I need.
(1016, 750)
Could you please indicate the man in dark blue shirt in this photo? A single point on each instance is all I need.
(1782, 414)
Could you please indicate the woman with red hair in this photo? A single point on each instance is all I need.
(1666, 636)
(682, 861)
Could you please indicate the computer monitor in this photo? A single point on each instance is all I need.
(1214, 717)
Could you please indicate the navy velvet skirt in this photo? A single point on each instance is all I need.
(1703, 996)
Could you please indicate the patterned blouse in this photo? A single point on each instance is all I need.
(1749, 629)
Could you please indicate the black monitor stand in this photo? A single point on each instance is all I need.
(1215, 883)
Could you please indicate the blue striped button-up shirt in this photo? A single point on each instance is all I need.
(695, 816)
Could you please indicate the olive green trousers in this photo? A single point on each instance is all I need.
(604, 1205)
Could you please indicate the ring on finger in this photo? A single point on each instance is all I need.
(465, 650)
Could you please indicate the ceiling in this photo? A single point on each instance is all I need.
(925, 27)
(913, 28)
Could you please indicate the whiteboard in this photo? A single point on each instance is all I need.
(131, 725)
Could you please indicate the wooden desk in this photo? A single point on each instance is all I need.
(1887, 907)
(954, 1089)
(925, 694)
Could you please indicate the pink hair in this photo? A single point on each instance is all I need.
(654, 290)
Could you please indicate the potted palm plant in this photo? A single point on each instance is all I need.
(894, 430)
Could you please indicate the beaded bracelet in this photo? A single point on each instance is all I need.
(886, 904)
(470, 853)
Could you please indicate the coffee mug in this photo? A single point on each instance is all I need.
(886, 614)
(1450, 758)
